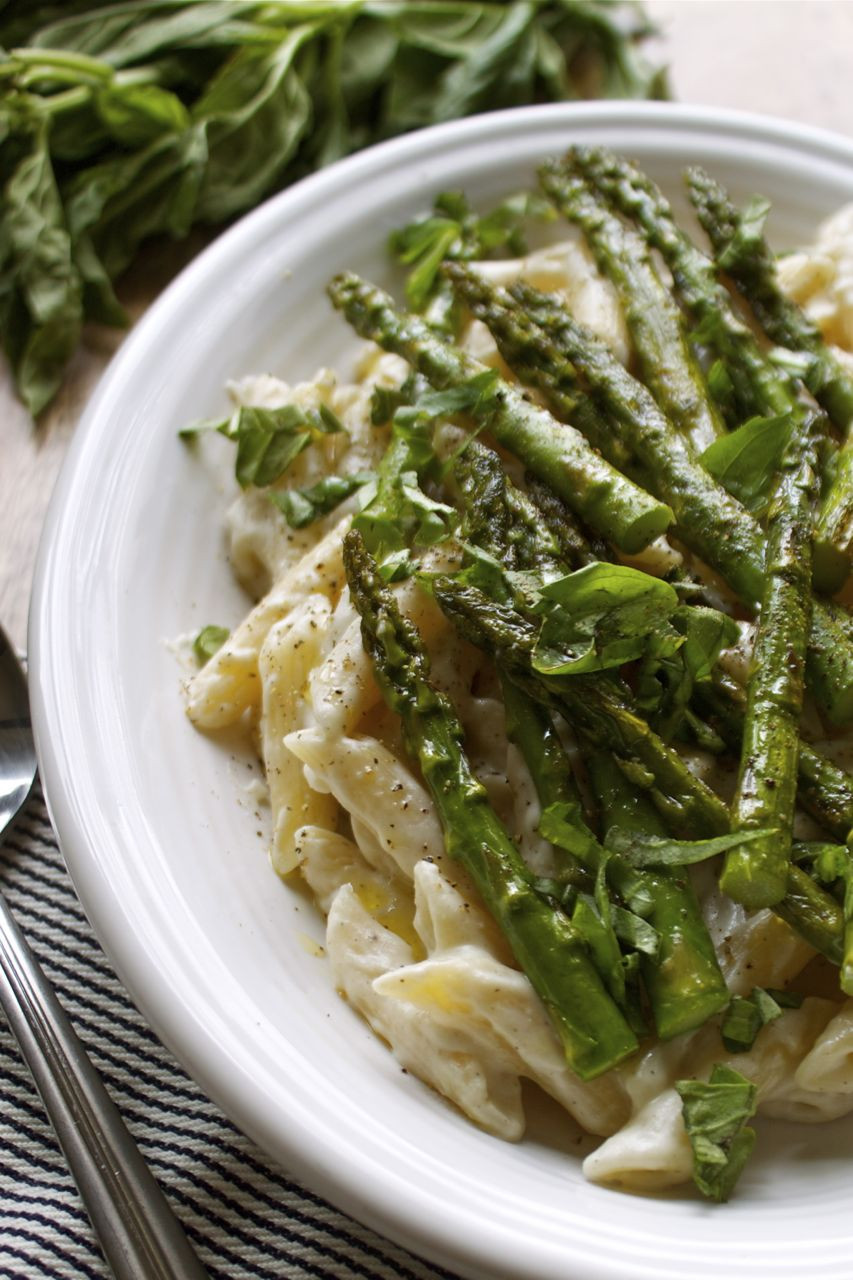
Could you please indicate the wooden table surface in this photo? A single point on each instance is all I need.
(789, 58)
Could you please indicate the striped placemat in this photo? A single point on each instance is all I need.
(244, 1215)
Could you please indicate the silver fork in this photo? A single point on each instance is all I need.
(140, 1236)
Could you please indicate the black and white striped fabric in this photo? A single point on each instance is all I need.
(245, 1217)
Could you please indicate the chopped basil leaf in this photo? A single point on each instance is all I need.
(706, 633)
(636, 932)
(263, 454)
(672, 667)
(485, 572)
(396, 514)
(208, 641)
(204, 424)
(384, 403)
(746, 1016)
(560, 893)
(453, 231)
(268, 440)
(301, 507)
(715, 1115)
(602, 616)
(562, 822)
(479, 391)
(643, 850)
(396, 566)
(591, 919)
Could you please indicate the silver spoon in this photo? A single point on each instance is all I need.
(140, 1236)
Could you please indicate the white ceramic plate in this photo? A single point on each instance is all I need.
(167, 860)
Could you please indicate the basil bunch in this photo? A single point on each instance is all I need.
(123, 121)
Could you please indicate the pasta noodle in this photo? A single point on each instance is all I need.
(288, 655)
(229, 684)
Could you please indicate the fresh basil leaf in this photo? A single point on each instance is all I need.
(746, 461)
(643, 850)
(411, 443)
(715, 1115)
(255, 113)
(78, 135)
(301, 507)
(41, 289)
(601, 616)
(296, 507)
(768, 1007)
(99, 300)
(610, 36)
(453, 205)
(324, 420)
(133, 114)
(603, 924)
(262, 458)
(208, 641)
(556, 655)
(526, 584)
(367, 58)
(502, 228)
(497, 72)
(124, 199)
(564, 825)
(334, 136)
(662, 681)
(129, 33)
(598, 588)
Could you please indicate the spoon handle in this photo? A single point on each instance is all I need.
(140, 1236)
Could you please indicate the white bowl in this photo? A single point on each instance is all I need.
(166, 857)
